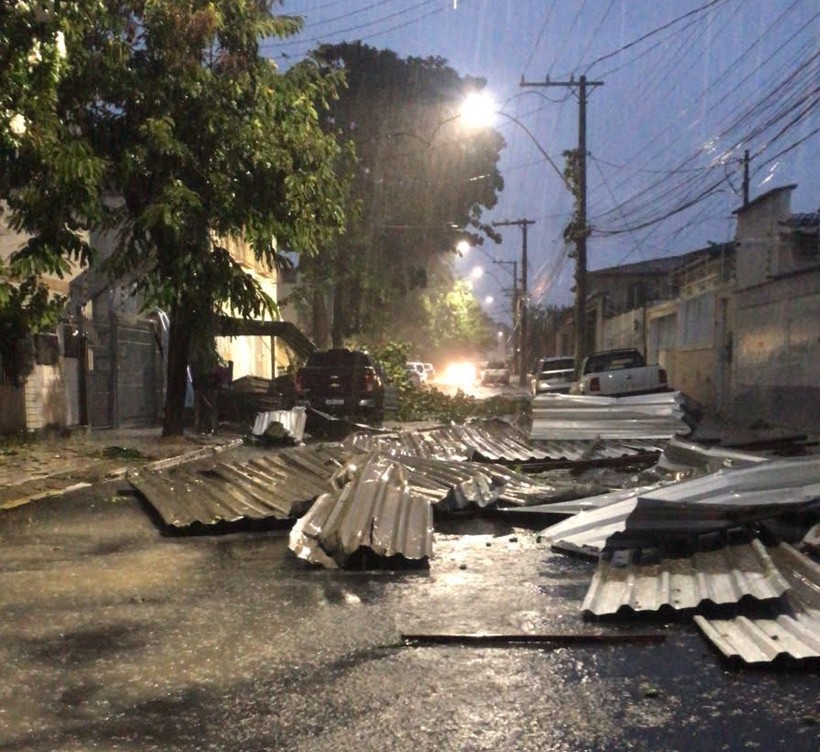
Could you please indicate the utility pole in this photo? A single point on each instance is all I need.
(514, 296)
(522, 301)
(580, 230)
(746, 178)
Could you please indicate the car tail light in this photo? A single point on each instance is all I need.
(594, 384)
(662, 376)
(300, 384)
(369, 381)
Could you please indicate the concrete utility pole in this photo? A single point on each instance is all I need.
(522, 301)
(581, 231)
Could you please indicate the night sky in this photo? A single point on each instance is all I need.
(688, 86)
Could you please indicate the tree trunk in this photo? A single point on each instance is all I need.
(179, 341)
(320, 327)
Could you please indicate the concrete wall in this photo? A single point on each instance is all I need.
(45, 398)
(625, 330)
(776, 371)
(758, 255)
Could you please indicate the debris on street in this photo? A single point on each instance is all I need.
(376, 509)
(790, 629)
(276, 425)
(644, 581)
(571, 416)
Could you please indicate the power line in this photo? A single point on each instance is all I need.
(652, 33)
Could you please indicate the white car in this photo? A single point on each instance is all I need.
(419, 369)
(430, 370)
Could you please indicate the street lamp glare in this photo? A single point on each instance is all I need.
(462, 247)
(477, 272)
(478, 110)
(489, 300)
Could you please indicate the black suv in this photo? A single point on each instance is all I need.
(342, 382)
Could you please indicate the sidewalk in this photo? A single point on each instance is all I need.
(38, 468)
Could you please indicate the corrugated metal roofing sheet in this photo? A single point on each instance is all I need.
(569, 416)
(641, 581)
(277, 486)
(377, 509)
(792, 629)
(711, 503)
(498, 441)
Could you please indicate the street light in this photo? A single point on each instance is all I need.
(478, 109)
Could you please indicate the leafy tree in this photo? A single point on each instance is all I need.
(203, 141)
(456, 322)
(422, 181)
(37, 146)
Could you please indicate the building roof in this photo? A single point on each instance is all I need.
(805, 221)
(765, 196)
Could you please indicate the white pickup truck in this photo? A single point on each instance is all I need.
(617, 373)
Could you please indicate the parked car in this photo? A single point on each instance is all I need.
(413, 376)
(618, 373)
(342, 382)
(430, 371)
(419, 369)
(553, 375)
(496, 372)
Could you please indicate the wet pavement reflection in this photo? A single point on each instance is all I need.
(114, 637)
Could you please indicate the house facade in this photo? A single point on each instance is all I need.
(736, 325)
(104, 366)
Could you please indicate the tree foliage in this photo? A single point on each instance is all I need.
(422, 181)
(168, 106)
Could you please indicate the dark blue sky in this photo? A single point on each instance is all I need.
(688, 86)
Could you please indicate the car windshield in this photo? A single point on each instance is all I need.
(337, 359)
(496, 365)
(557, 364)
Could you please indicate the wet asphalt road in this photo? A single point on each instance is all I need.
(115, 637)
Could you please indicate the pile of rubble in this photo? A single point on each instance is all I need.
(721, 534)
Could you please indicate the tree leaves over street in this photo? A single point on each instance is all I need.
(167, 110)
(422, 181)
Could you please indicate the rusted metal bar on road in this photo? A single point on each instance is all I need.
(532, 640)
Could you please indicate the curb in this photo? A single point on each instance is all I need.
(122, 473)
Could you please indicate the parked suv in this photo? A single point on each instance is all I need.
(342, 382)
(553, 375)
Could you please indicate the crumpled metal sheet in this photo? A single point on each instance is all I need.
(499, 441)
(377, 509)
(791, 629)
(584, 503)
(289, 424)
(578, 417)
(642, 581)
(465, 484)
(707, 504)
(686, 458)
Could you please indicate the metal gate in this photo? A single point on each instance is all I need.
(123, 379)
